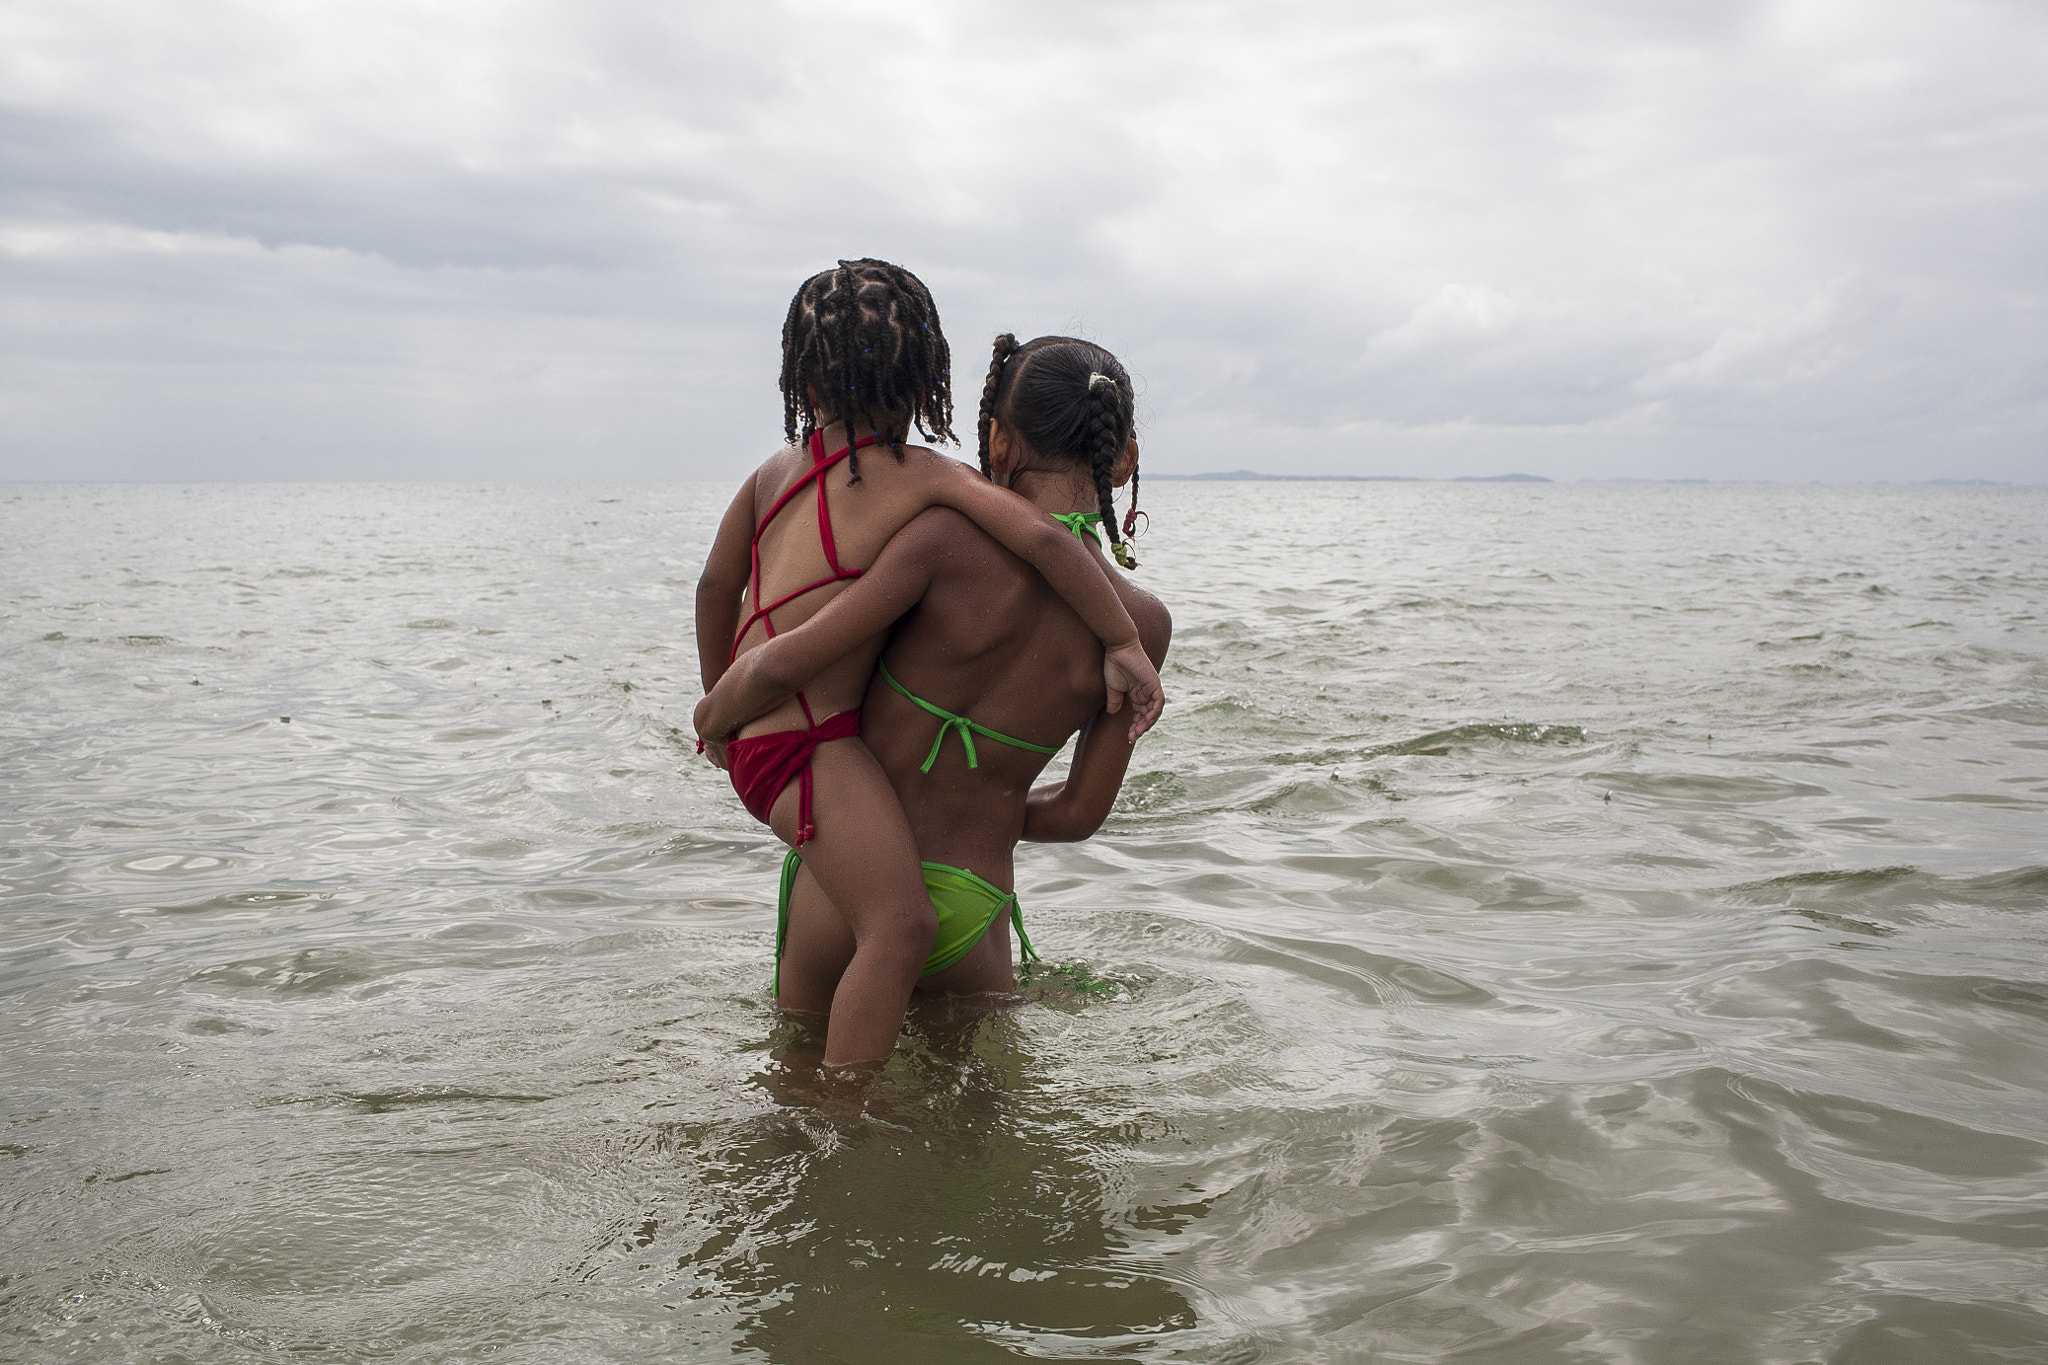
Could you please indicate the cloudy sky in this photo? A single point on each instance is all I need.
(516, 240)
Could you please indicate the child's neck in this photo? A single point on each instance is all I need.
(838, 432)
(1057, 490)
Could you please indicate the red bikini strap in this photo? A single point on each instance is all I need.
(818, 467)
(819, 464)
(825, 512)
(825, 541)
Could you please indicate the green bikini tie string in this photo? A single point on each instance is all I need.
(1017, 922)
(1082, 524)
(959, 725)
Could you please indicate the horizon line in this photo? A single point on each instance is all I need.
(1210, 476)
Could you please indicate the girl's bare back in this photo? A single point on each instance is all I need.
(860, 517)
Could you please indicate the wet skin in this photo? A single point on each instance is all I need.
(981, 634)
(865, 857)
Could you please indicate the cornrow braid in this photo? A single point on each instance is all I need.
(864, 340)
(846, 290)
(1005, 347)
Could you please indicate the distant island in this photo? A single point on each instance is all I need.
(1254, 476)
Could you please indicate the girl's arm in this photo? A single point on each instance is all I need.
(1065, 812)
(1073, 573)
(774, 671)
(722, 585)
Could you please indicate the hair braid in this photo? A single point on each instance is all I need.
(797, 361)
(1104, 444)
(1005, 347)
(850, 402)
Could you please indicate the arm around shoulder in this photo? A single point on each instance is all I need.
(774, 670)
(1025, 530)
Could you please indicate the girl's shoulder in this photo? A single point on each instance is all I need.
(775, 474)
(1148, 614)
(785, 459)
(918, 474)
(925, 460)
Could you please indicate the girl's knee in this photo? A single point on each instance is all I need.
(909, 934)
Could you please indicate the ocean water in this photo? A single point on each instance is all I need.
(1552, 923)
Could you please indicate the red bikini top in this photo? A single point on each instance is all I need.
(820, 462)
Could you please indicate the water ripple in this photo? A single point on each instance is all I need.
(1552, 924)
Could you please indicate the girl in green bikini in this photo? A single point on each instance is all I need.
(987, 675)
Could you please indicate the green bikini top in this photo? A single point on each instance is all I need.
(960, 725)
(1082, 524)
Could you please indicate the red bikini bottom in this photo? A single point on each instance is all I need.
(763, 765)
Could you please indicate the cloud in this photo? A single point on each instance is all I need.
(534, 240)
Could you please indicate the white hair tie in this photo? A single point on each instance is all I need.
(1095, 377)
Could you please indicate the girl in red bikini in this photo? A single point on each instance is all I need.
(863, 360)
(986, 675)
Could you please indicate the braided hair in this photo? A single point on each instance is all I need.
(1006, 346)
(1070, 400)
(865, 338)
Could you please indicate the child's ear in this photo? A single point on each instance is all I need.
(1001, 453)
(1126, 464)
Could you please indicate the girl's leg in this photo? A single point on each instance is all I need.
(984, 970)
(816, 946)
(865, 862)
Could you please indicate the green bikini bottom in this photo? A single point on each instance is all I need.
(966, 906)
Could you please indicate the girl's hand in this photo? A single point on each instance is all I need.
(711, 746)
(1128, 673)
